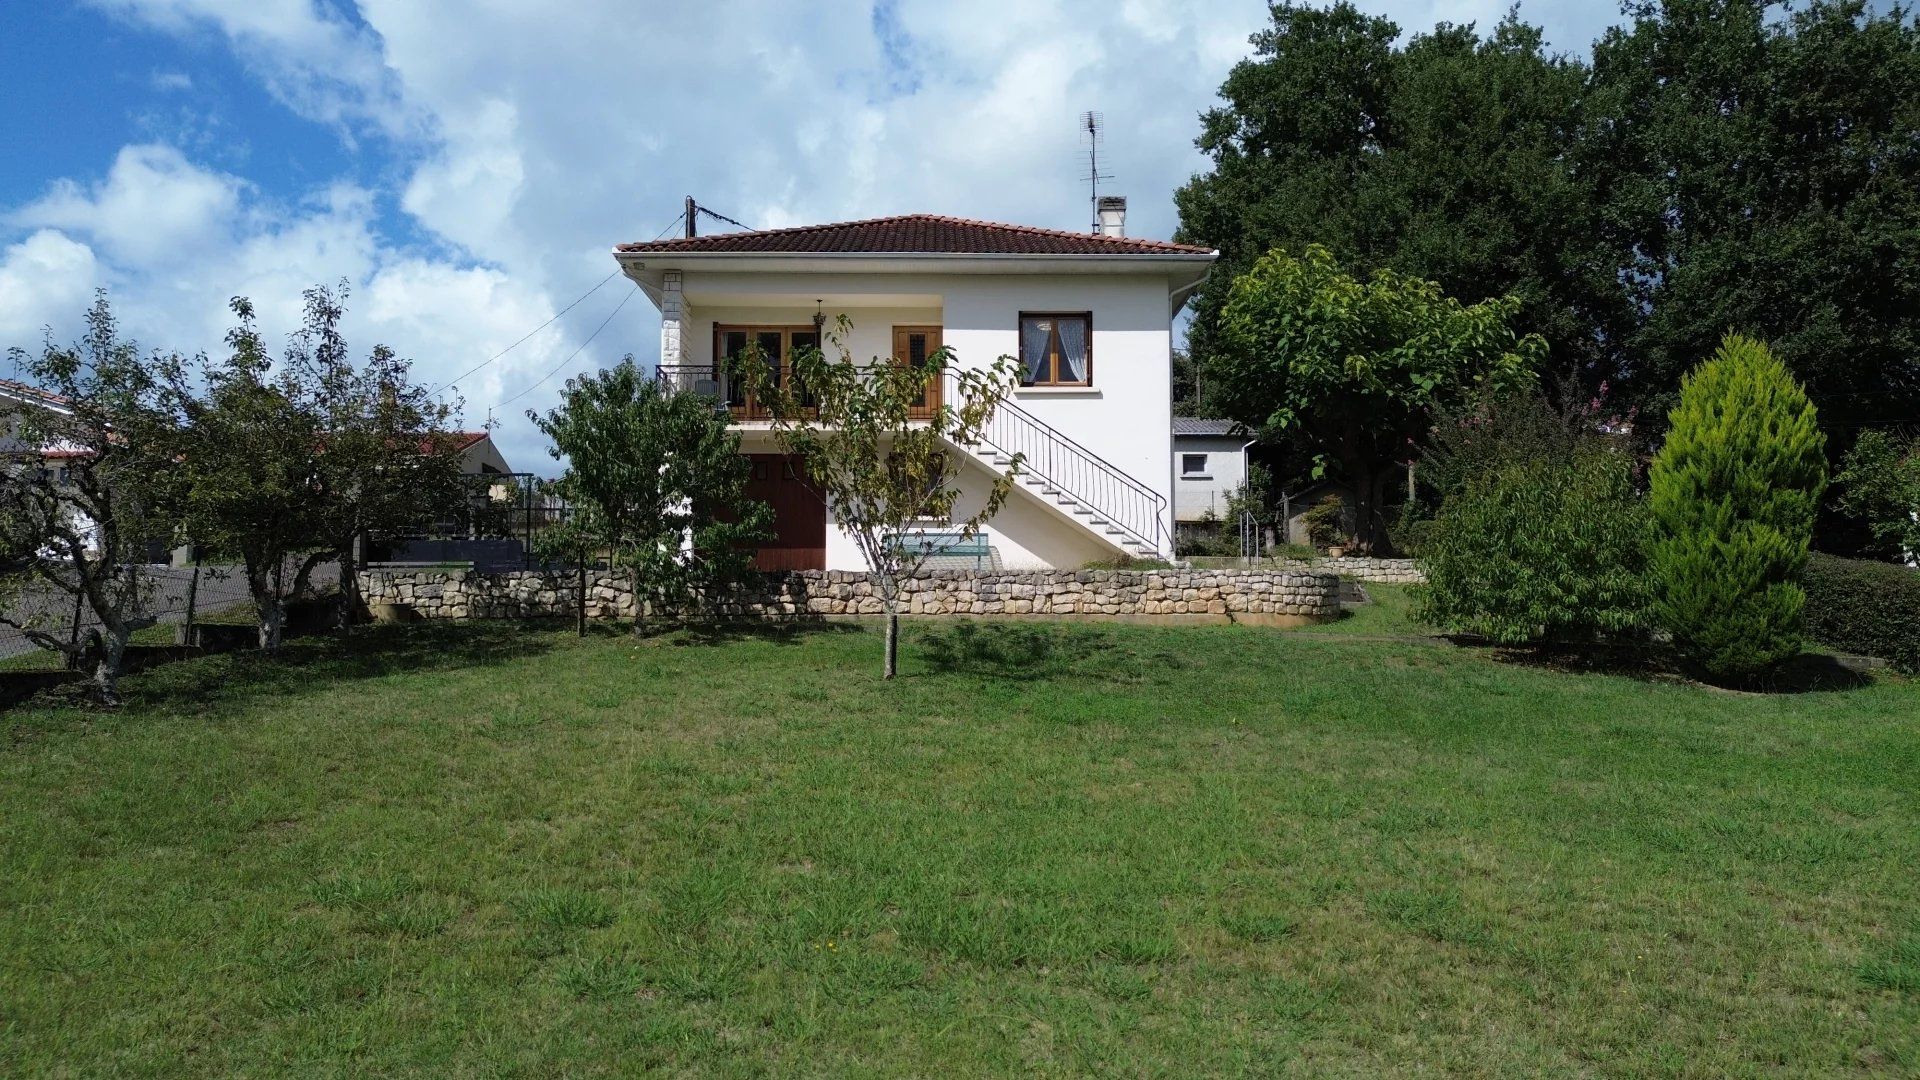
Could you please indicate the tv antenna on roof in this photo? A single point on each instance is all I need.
(1092, 129)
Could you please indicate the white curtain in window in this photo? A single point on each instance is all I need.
(1033, 348)
(1073, 350)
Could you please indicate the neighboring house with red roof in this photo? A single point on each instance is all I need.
(18, 401)
(1087, 316)
(479, 455)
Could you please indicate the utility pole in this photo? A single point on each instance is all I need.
(693, 230)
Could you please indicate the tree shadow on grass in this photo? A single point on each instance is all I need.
(225, 680)
(1018, 650)
(1807, 673)
(723, 631)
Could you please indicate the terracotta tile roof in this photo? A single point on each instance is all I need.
(916, 234)
(21, 390)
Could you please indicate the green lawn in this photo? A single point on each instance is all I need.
(1045, 849)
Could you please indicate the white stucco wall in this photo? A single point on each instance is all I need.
(482, 453)
(1226, 471)
(1124, 417)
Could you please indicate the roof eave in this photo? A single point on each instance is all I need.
(942, 256)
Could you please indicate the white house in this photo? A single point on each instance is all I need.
(1088, 317)
(1209, 465)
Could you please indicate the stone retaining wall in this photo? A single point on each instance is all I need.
(1361, 568)
(1278, 595)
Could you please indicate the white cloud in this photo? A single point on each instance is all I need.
(171, 81)
(308, 55)
(46, 273)
(527, 138)
(153, 202)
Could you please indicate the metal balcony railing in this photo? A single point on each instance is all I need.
(715, 382)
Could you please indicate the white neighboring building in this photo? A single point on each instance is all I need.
(1209, 465)
(1088, 317)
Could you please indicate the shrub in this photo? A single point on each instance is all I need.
(1547, 549)
(1734, 492)
(1871, 608)
(1880, 484)
(1326, 522)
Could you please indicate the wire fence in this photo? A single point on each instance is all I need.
(172, 595)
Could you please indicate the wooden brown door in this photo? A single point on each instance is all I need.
(799, 514)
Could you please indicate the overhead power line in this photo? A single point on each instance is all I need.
(529, 334)
(725, 218)
(570, 356)
(678, 218)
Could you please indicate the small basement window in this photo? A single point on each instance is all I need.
(1193, 466)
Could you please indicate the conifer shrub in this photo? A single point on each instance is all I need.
(1734, 491)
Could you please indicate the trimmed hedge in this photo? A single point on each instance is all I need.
(1870, 608)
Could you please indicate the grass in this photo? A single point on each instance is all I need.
(1388, 613)
(1046, 848)
(159, 635)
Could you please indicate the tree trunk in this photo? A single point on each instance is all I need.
(893, 643)
(105, 681)
(273, 616)
(349, 612)
(1360, 474)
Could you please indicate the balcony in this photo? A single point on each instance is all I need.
(713, 381)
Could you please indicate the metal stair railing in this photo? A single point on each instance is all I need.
(1065, 466)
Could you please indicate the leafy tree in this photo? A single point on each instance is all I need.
(1445, 157)
(1734, 491)
(1356, 370)
(885, 470)
(1880, 485)
(1719, 163)
(289, 466)
(1542, 535)
(82, 525)
(657, 483)
(390, 464)
(255, 491)
(1764, 174)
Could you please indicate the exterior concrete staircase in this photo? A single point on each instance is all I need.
(1080, 485)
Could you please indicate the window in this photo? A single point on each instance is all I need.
(1056, 350)
(1193, 466)
(776, 345)
(912, 345)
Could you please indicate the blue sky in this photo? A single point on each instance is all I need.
(466, 167)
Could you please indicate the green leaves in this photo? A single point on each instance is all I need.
(1735, 490)
(1718, 163)
(1357, 369)
(656, 484)
(1542, 537)
(881, 439)
(285, 465)
(1880, 484)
